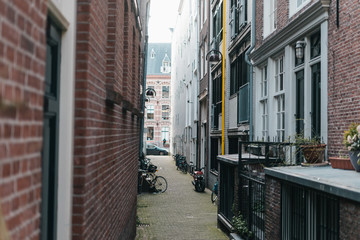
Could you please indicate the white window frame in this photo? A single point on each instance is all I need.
(165, 133)
(264, 119)
(150, 109)
(165, 110)
(294, 6)
(270, 17)
(279, 74)
(264, 81)
(280, 117)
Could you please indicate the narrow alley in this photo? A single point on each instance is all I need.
(180, 212)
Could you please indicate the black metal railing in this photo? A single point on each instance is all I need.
(253, 157)
(308, 214)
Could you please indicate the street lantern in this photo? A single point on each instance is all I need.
(214, 56)
(299, 49)
(150, 92)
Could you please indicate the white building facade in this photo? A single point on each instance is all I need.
(184, 81)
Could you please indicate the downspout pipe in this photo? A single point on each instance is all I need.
(253, 40)
(143, 99)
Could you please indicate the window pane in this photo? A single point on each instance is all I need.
(315, 42)
(150, 133)
(165, 92)
(165, 113)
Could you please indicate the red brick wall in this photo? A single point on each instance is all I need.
(22, 71)
(344, 78)
(272, 209)
(349, 220)
(106, 136)
(282, 18)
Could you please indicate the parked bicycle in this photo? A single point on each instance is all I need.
(182, 164)
(157, 184)
(198, 178)
(214, 193)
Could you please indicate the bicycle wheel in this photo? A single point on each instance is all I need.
(213, 197)
(160, 184)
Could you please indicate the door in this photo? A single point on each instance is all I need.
(300, 102)
(50, 133)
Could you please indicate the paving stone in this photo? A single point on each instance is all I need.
(180, 212)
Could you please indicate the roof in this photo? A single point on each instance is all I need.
(157, 52)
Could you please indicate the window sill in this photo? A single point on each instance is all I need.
(263, 99)
(277, 94)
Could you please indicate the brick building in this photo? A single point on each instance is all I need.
(305, 82)
(158, 107)
(70, 115)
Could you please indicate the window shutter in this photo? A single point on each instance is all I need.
(242, 13)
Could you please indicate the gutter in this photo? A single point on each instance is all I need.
(253, 40)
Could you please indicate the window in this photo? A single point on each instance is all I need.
(150, 112)
(150, 133)
(300, 2)
(216, 101)
(165, 112)
(218, 25)
(264, 118)
(152, 55)
(316, 100)
(239, 72)
(308, 214)
(296, 5)
(165, 67)
(238, 16)
(279, 74)
(315, 45)
(280, 117)
(270, 16)
(264, 77)
(165, 92)
(165, 133)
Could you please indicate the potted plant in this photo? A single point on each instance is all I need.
(312, 148)
(352, 142)
(341, 162)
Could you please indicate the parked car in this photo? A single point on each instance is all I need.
(152, 149)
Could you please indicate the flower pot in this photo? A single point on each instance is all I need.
(341, 163)
(354, 159)
(313, 153)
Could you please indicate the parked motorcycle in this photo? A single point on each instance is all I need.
(198, 179)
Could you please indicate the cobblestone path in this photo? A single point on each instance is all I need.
(180, 212)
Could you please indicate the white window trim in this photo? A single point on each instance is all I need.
(264, 82)
(264, 116)
(278, 73)
(293, 8)
(280, 112)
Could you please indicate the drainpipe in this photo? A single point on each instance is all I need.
(251, 70)
(198, 123)
(223, 84)
(143, 98)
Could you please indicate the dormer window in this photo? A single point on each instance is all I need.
(165, 67)
(152, 55)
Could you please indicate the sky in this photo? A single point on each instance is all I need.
(163, 15)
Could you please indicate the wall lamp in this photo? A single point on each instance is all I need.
(214, 56)
(299, 49)
(150, 92)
